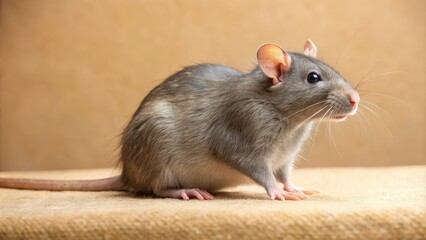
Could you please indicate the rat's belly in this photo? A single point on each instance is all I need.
(208, 174)
(281, 157)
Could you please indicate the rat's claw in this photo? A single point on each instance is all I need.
(195, 193)
(184, 194)
(205, 194)
(291, 188)
(298, 195)
(310, 192)
(278, 197)
(277, 193)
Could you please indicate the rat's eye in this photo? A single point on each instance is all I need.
(314, 77)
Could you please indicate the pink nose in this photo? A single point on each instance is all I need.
(354, 98)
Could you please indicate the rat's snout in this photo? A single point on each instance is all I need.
(354, 99)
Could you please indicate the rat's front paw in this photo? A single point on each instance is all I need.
(291, 188)
(277, 193)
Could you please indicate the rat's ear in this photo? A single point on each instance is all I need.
(273, 61)
(310, 49)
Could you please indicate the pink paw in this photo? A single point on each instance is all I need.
(291, 188)
(277, 193)
(185, 194)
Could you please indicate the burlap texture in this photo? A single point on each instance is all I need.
(355, 203)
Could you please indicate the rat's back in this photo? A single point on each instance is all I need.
(167, 134)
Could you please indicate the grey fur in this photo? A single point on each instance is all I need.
(210, 126)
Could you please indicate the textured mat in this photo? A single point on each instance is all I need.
(354, 203)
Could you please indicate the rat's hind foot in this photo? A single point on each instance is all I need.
(291, 188)
(185, 194)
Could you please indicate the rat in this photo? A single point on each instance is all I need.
(209, 127)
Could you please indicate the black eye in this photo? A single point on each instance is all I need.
(314, 77)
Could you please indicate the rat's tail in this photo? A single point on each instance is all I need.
(104, 184)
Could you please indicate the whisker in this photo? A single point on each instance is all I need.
(360, 120)
(317, 126)
(313, 115)
(364, 117)
(367, 102)
(364, 77)
(376, 78)
(303, 158)
(316, 130)
(312, 105)
(381, 120)
(393, 98)
(344, 48)
(339, 130)
(330, 134)
(372, 111)
(387, 73)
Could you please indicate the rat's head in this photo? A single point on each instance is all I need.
(304, 87)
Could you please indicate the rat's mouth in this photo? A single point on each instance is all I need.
(343, 116)
(339, 118)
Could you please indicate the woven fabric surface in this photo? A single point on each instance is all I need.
(354, 203)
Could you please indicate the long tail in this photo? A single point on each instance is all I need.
(104, 184)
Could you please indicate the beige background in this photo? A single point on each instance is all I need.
(73, 72)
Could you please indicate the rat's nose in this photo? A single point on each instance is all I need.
(353, 98)
(352, 101)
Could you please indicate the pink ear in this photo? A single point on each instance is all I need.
(310, 49)
(273, 61)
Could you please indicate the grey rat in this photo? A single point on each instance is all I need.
(209, 127)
